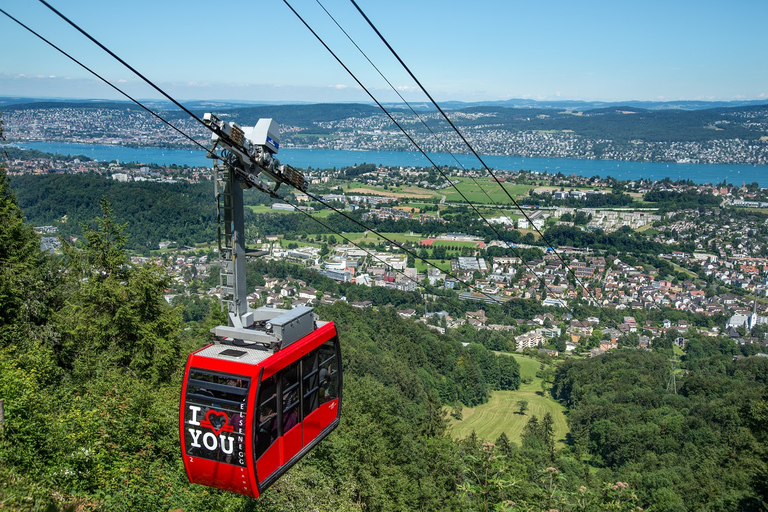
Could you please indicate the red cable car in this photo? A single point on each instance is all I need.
(262, 396)
(248, 415)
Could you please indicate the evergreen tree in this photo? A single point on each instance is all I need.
(29, 283)
(117, 316)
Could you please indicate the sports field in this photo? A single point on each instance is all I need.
(499, 414)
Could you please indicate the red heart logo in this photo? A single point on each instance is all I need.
(218, 420)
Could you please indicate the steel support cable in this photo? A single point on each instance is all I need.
(423, 122)
(442, 112)
(399, 126)
(508, 244)
(137, 102)
(170, 98)
(121, 61)
(381, 74)
(271, 193)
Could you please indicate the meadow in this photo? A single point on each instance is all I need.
(500, 413)
(484, 191)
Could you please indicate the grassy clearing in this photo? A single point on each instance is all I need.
(479, 190)
(533, 232)
(444, 265)
(499, 414)
(268, 209)
(685, 271)
(745, 209)
(401, 192)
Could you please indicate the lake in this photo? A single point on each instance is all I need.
(327, 158)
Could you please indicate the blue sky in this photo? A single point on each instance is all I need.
(258, 50)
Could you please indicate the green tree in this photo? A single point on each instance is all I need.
(29, 280)
(509, 372)
(117, 316)
(105, 245)
(522, 406)
(18, 248)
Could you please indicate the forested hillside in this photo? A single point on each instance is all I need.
(91, 360)
(702, 447)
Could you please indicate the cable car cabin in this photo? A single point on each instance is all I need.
(248, 413)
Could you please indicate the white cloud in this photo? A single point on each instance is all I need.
(338, 86)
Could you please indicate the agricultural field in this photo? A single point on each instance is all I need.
(500, 413)
(268, 209)
(484, 191)
(413, 193)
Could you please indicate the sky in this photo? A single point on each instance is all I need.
(479, 50)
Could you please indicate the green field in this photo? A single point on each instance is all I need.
(499, 414)
(479, 191)
(268, 209)
(443, 265)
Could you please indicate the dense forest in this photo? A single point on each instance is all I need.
(91, 360)
(702, 447)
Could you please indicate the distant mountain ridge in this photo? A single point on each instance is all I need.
(591, 105)
(579, 105)
(615, 128)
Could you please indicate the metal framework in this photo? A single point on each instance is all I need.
(243, 157)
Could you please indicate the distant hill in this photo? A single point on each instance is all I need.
(516, 103)
(686, 121)
(590, 105)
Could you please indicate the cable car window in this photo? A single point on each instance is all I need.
(311, 375)
(329, 381)
(214, 416)
(291, 395)
(266, 431)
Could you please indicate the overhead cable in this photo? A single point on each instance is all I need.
(94, 73)
(318, 199)
(410, 138)
(447, 178)
(472, 149)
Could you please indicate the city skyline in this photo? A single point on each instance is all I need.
(593, 51)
